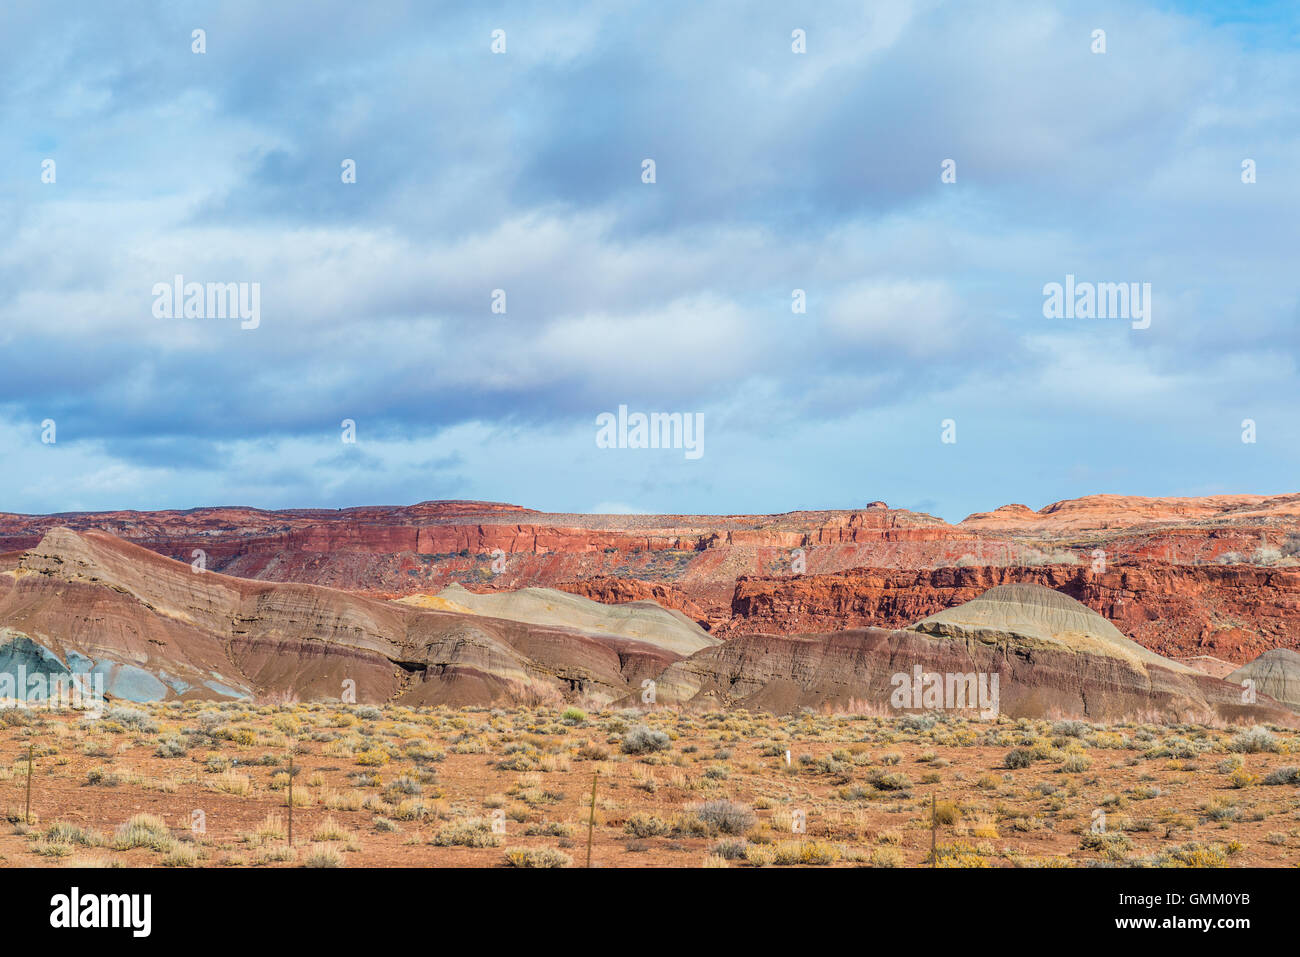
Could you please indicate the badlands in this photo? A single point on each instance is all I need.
(751, 689)
(474, 603)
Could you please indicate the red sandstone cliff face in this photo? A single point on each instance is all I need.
(869, 566)
(388, 552)
(616, 591)
(210, 635)
(1234, 612)
(1100, 512)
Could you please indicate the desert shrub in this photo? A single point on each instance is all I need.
(646, 825)
(404, 786)
(759, 855)
(372, 757)
(182, 855)
(421, 751)
(1221, 811)
(891, 781)
(1071, 729)
(518, 759)
(210, 723)
(573, 716)
(1019, 758)
(473, 833)
(1241, 778)
(61, 832)
(1255, 740)
(1109, 739)
(1193, 854)
(1175, 747)
(323, 855)
(588, 751)
(172, 746)
(132, 718)
(536, 857)
(17, 716)
(643, 740)
(144, 830)
(232, 782)
(1113, 844)
(1283, 775)
(958, 854)
(945, 813)
(1075, 763)
(45, 849)
(730, 850)
(726, 817)
(917, 722)
(548, 829)
(886, 857)
(805, 852)
(271, 829)
(690, 825)
(329, 830)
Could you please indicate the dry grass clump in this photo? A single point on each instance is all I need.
(322, 855)
(144, 830)
(536, 857)
(470, 833)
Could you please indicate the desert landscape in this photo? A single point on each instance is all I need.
(195, 784)
(1105, 682)
(448, 451)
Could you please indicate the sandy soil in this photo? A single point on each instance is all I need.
(380, 787)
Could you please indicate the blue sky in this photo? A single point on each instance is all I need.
(522, 171)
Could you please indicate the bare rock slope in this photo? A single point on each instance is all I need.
(1275, 673)
(158, 629)
(1212, 576)
(1051, 657)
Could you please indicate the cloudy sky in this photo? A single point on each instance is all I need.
(522, 171)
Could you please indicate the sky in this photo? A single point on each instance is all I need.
(501, 273)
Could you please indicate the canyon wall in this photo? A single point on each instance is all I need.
(1165, 581)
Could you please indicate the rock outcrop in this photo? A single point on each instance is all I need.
(162, 629)
(86, 602)
(1037, 652)
(1211, 576)
(1234, 612)
(1275, 673)
(611, 590)
(1031, 616)
(639, 620)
